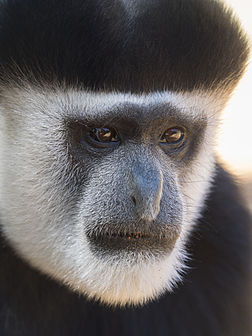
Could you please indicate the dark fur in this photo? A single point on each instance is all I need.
(212, 301)
(171, 44)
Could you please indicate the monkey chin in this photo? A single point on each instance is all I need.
(130, 269)
(128, 278)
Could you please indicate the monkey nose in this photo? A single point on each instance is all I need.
(147, 191)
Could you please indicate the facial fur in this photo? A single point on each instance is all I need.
(51, 202)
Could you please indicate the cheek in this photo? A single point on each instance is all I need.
(195, 186)
(104, 199)
(171, 207)
(38, 200)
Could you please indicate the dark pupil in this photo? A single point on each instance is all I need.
(172, 135)
(104, 134)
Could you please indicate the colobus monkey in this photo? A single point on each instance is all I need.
(116, 218)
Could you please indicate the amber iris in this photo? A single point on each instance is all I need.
(104, 134)
(172, 135)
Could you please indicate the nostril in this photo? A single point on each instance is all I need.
(133, 200)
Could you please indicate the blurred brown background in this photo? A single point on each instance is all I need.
(235, 139)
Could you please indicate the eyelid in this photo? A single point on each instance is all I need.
(174, 128)
(93, 134)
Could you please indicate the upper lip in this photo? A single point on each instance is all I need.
(127, 235)
(155, 241)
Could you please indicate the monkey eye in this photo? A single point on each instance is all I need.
(104, 134)
(172, 135)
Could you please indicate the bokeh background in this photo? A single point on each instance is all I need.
(235, 138)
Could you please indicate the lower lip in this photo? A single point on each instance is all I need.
(141, 244)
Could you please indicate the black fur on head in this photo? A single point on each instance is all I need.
(136, 46)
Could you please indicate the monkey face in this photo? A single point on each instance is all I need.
(102, 189)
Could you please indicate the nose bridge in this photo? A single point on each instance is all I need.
(147, 189)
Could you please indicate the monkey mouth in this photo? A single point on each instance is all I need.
(128, 235)
(133, 241)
